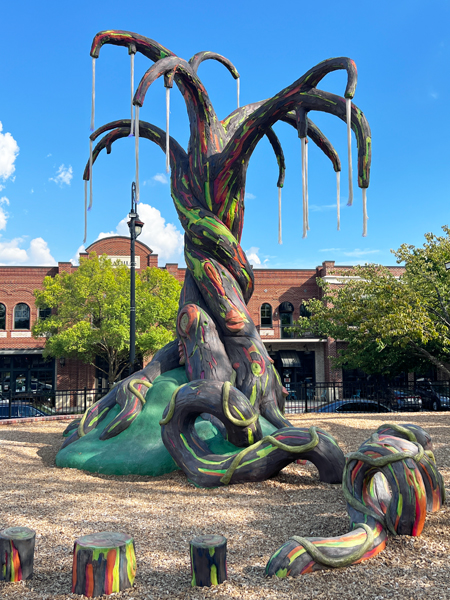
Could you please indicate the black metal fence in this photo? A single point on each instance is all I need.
(368, 398)
(48, 403)
(328, 397)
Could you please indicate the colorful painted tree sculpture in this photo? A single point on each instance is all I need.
(228, 372)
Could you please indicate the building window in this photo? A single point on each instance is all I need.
(266, 315)
(304, 312)
(2, 316)
(22, 316)
(286, 309)
(44, 313)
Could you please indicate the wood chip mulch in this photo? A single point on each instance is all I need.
(164, 513)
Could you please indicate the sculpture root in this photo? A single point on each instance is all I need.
(389, 484)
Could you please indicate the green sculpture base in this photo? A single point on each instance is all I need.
(139, 450)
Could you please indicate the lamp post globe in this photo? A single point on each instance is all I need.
(135, 226)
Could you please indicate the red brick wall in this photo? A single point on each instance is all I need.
(17, 285)
(174, 270)
(120, 246)
(273, 286)
(74, 375)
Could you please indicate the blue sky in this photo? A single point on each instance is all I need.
(401, 49)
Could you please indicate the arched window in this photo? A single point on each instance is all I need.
(266, 315)
(304, 312)
(2, 316)
(22, 316)
(286, 309)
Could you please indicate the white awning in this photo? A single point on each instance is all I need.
(289, 358)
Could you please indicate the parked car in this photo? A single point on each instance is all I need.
(432, 398)
(403, 400)
(354, 406)
(19, 410)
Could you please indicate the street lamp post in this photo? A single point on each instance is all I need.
(135, 226)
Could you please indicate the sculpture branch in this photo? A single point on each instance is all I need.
(121, 129)
(206, 130)
(316, 135)
(198, 58)
(234, 159)
(275, 143)
(137, 43)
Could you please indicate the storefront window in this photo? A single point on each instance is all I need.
(21, 373)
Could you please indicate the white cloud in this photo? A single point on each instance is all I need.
(163, 238)
(32, 191)
(63, 176)
(330, 250)
(161, 178)
(3, 214)
(3, 218)
(75, 260)
(48, 155)
(8, 154)
(253, 258)
(37, 254)
(12, 252)
(434, 95)
(249, 196)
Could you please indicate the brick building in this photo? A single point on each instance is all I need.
(275, 304)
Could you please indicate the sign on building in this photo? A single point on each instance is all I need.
(125, 260)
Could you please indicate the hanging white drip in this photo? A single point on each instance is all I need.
(167, 129)
(305, 224)
(93, 96)
(306, 183)
(85, 211)
(238, 86)
(348, 107)
(90, 172)
(279, 216)
(136, 146)
(365, 217)
(132, 93)
(338, 199)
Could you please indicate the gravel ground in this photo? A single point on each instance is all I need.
(164, 513)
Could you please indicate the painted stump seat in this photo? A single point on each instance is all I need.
(103, 563)
(16, 553)
(208, 560)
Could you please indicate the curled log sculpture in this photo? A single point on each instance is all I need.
(227, 370)
(389, 485)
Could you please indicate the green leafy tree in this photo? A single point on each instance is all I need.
(390, 324)
(90, 313)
